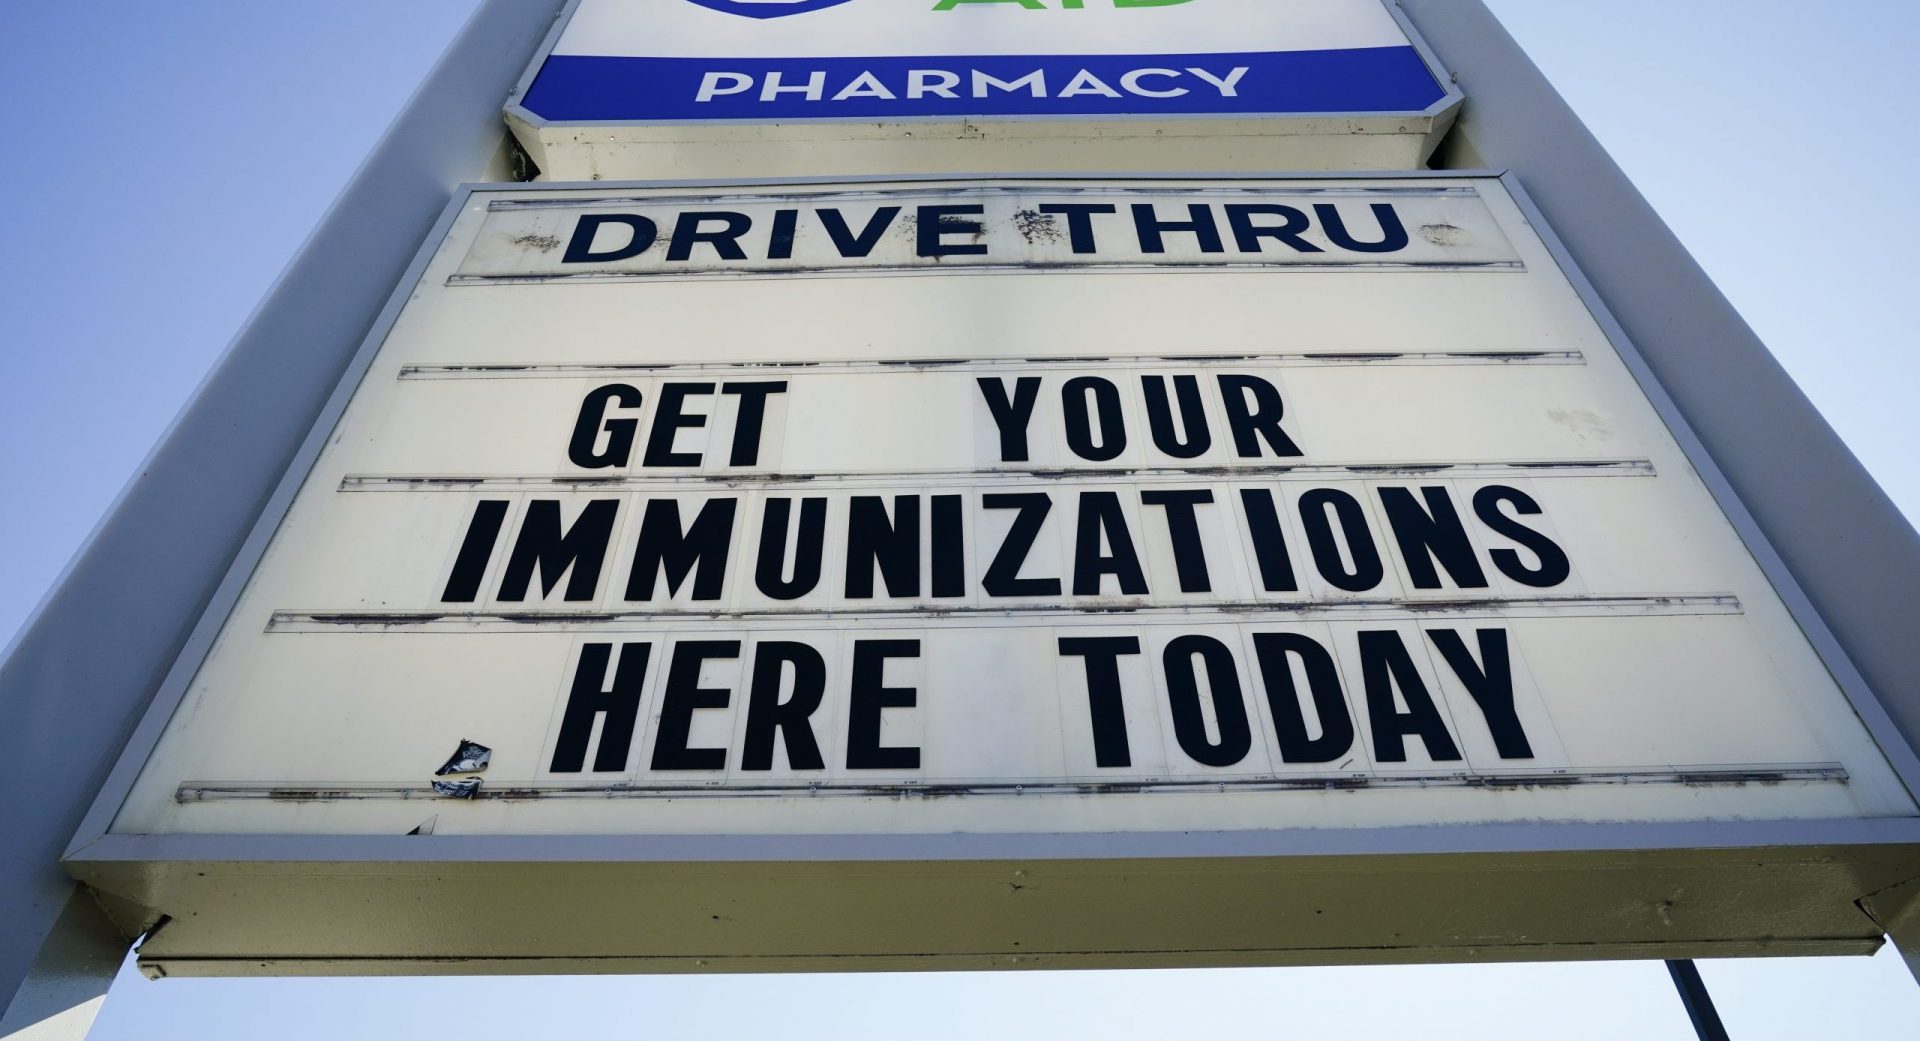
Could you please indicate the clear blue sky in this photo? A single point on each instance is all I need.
(167, 160)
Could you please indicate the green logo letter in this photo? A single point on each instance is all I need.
(1031, 5)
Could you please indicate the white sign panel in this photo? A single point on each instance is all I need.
(767, 60)
(1051, 507)
(865, 86)
(849, 231)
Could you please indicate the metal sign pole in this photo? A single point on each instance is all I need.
(66, 708)
(1693, 994)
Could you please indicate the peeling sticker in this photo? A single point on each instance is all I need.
(472, 757)
(466, 788)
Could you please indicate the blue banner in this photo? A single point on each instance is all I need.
(572, 88)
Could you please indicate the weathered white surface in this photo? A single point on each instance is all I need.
(1660, 672)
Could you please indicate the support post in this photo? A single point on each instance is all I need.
(1897, 910)
(65, 986)
(1849, 548)
(1907, 941)
(67, 703)
(1846, 544)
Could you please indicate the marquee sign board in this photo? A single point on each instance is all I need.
(777, 576)
(705, 88)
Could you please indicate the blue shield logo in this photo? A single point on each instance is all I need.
(767, 8)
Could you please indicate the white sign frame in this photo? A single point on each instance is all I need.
(1881, 851)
